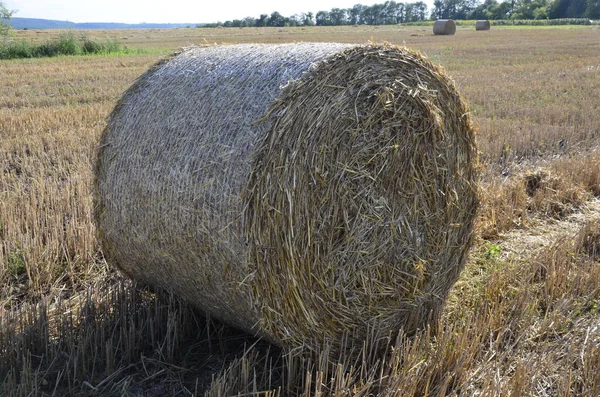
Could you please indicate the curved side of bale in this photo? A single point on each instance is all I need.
(348, 207)
(482, 25)
(444, 27)
(174, 160)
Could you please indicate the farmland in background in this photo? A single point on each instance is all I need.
(524, 318)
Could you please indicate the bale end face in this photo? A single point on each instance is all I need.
(362, 197)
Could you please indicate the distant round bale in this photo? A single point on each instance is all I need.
(302, 192)
(444, 27)
(482, 25)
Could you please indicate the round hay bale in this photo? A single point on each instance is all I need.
(482, 25)
(302, 192)
(444, 27)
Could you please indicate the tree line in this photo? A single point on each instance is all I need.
(392, 12)
(516, 9)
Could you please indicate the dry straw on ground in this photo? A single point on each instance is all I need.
(482, 25)
(302, 192)
(444, 27)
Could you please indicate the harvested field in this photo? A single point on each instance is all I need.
(522, 319)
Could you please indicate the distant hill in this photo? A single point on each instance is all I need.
(34, 23)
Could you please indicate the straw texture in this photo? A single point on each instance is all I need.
(444, 27)
(482, 25)
(303, 192)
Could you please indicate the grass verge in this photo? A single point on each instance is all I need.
(65, 44)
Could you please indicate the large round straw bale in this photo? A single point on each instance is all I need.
(298, 191)
(444, 27)
(482, 25)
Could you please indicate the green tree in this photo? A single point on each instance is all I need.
(401, 12)
(485, 10)
(5, 15)
(577, 9)
(355, 14)
(419, 10)
(249, 22)
(276, 19)
(503, 11)
(378, 14)
(372, 15)
(541, 12)
(558, 9)
(307, 19)
(262, 20)
(453, 9)
(438, 9)
(337, 16)
(593, 9)
(569, 8)
(413, 12)
(530, 9)
(323, 18)
(388, 12)
(295, 20)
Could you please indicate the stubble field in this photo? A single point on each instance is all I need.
(524, 318)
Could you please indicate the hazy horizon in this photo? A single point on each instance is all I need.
(177, 11)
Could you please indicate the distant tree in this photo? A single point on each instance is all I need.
(400, 10)
(577, 9)
(410, 13)
(337, 16)
(503, 11)
(420, 10)
(322, 18)
(466, 7)
(541, 12)
(276, 19)
(438, 9)
(485, 10)
(5, 15)
(369, 15)
(308, 19)
(392, 12)
(593, 9)
(443, 9)
(522, 9)
(570, 8)
(263, 20)
(355, 14)
(295, 20)
(415, 12)
(530, 9)
(378, 14)
(453, 9)
(558, 9)
(386, 13)
(249, 22)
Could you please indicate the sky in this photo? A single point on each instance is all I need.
(171, 11)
